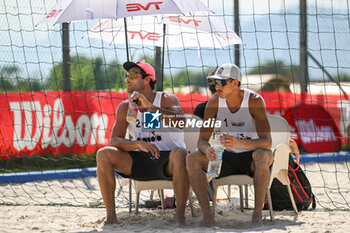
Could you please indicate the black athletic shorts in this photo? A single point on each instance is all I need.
(236, 164)
(144, 168)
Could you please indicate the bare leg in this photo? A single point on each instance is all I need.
(262, 159)
(109, 159)
(177, 167)
(195, 164)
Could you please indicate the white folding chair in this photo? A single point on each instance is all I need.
(280, 132)
(191, 138)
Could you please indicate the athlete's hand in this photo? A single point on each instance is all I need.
(210, 153)
(295, 150)
(297, 157)
(151, 148)
(142, 103)
(229, 141)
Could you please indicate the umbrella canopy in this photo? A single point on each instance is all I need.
(73, 10)
(198, 30)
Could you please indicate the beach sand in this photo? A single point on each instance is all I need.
(330, 183)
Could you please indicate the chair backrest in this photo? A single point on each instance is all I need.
(280, 130)
(191, 135)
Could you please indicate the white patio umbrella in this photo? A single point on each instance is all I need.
(73, 10)
(197, 30)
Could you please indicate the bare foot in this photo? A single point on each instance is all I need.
(110, 221)
(207, 222)
(180, 220)
(256, 220)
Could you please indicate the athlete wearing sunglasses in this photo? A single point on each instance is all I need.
(246, 138)
(220, 82)
(133, 74)
(150, 155)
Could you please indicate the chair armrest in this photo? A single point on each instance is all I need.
(279, 167)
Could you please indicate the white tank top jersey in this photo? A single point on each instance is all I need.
(165, 141)
(239, 124)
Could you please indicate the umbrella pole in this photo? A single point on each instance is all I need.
(126, 40)
(163, 52)
(127, 58)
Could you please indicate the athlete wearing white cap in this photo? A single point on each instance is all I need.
(246, 137)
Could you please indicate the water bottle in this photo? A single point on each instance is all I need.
(132, 110)
(214, 167)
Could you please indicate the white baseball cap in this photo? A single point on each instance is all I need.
(227, 71)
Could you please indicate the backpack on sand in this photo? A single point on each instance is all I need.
(300, 186)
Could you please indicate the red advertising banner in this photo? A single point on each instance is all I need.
(54, 123)
(316, 130)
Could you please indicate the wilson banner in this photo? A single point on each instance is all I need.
(54, 123)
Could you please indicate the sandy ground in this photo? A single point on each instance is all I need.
(79, 219)
(330, 182)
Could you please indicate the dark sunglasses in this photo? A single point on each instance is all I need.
(133, 74)
(220, 82)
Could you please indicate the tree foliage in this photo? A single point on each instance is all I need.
(11, 81)
(87, 75)
(278, 67)
(291, 72)
(343, 77)
(82, 73)
(8, 77)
